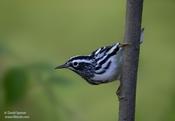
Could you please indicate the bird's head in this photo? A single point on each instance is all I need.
(82, 65)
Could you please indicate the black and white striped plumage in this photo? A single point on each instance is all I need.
(101, 66)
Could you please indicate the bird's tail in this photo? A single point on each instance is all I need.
(142, 36)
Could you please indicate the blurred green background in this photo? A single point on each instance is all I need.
(36, 36)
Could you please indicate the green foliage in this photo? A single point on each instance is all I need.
(15, 85)
(16, 81)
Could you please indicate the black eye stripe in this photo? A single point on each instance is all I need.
(80, 65)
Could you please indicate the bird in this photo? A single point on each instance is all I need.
(101, 66)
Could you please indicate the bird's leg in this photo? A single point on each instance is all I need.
(118, 92)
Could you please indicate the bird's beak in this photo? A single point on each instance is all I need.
(61, 66)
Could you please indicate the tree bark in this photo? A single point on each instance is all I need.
(130, 61)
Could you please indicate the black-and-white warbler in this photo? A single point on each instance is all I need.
(101, 66)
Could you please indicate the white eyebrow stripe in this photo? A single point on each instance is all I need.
(74, 57)
(81, 60)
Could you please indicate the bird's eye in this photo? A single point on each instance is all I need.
(75, 64)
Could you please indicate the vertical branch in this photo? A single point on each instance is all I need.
(130, 62)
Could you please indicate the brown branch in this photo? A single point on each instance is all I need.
(130, 61)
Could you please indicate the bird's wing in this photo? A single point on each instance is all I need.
(104, 51)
